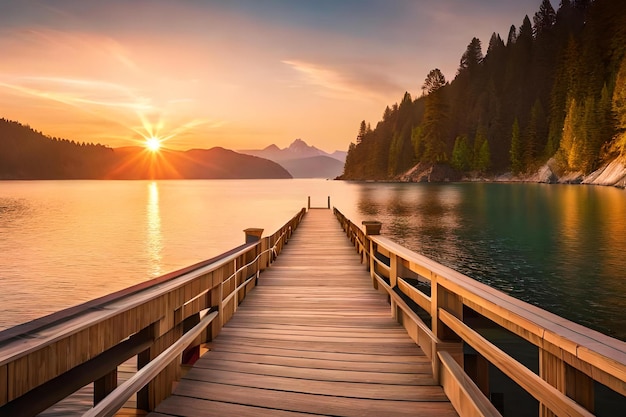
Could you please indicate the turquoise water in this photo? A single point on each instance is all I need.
(559, 247)
(65, 242)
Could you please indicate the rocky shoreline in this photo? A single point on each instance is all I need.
(611, 174)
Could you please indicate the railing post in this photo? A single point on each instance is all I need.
(308, 206)
(393, 282)
(567, 379)
(372, 227)
(551, 370)
(104, 386)
(445, 339)
(329, 202)
(253, 234)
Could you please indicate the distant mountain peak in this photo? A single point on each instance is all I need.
(272, 148)
(299, 143)
(301, 149)
(296, 150)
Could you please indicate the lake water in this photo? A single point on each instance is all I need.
(65, 242)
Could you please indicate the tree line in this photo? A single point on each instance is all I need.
(555, 89)
(28, 154)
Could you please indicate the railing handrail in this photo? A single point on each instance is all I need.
(593, 356)
(47, 334)
(90, 340)
(541, 320)
(118, 397)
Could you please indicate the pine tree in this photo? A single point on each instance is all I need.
(472, 57)
(461, 154)
(479, 139)
(619, 109)
(544, 19)
(517, 163)
(362, 132)
(435, 118)
(484, 158)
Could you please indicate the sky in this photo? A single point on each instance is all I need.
(241, 74)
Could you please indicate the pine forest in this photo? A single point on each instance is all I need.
(553, 90)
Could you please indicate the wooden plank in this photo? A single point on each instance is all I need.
(313, 337)
(399, 368)
(314, 404)
(417, 378)
(461, 390)
(346, 357)
(529, 381)
(193, 407)
(339, 388)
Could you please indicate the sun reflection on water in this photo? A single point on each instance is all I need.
(154, 241)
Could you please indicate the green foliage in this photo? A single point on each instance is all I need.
(556, 88)
(472, 57)
(544, 19)
(619, 109)
(434, 81)
(417, 140)
(479, 139)
(484, 158)
(517, 163)
(461, 154)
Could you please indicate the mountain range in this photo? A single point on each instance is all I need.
(303, 160)
(29, 154)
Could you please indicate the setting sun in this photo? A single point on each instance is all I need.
(153, 144)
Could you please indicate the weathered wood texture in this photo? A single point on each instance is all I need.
(571, 356)
(44, 361)
(312, 338)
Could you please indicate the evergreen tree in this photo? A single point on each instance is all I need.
(544, 19)
(556, 88)
(536, 134)
(512, 37)
(417, 139)
(472, 57)
(517, 163)
(619, 109)
(434, 81)
(479, 139)
(362, 132)
(484, 158)
(435, 118)
(461, 154)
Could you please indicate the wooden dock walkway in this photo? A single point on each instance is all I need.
(313, 338)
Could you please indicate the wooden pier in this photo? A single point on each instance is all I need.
(319, 318)
(314, 337)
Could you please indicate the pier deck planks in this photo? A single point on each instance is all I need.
(313, 338)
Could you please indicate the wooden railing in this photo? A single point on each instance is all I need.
(571, 356)
(162, 321)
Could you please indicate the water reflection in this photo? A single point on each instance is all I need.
(559, 247)
(154, 238)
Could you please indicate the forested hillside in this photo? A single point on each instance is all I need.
(554, 87)
(30, 155)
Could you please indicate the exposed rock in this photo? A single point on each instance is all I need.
(610, 174)
(424, 172)
(614, 173)
(545, 174)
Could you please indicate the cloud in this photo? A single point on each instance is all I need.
(345, 83)
(77, 92)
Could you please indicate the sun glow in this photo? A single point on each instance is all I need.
(153, 144)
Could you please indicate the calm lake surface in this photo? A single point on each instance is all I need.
(65, 242)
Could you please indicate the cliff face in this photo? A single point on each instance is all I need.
(610, 174)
